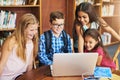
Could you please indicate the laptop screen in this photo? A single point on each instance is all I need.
(75, 64)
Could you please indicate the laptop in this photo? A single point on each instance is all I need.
(73, 64)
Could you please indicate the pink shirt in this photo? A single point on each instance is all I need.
(105, 61)
(15, 66)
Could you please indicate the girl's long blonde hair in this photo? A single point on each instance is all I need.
(20, 38)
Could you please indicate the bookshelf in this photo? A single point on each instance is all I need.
(111, 14)
(108, 10)
(19, 9)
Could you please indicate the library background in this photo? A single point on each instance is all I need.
(11, 10)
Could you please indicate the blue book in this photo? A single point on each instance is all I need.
(102, 72)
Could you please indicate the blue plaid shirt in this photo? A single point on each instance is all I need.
(57, 44)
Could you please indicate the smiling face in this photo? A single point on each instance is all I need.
(30, 31)
(83, 18)
(90, 42)
(57, 26)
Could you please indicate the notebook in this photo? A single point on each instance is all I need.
(73, 64)
(100, 72)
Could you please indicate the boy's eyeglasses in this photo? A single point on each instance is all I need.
(58, 25)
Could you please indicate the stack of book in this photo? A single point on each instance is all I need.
(12, 2)
(7, 19)
(106, 38)
(108, 10)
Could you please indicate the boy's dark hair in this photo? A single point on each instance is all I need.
(56, 15)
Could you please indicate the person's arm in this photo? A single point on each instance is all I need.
(107, 28)
(99, 60)
(80, 39)
(42, 52)
(101, 53)
(5, 53)
(30, 65)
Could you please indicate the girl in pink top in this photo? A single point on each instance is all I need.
(93, 43)
(20, 48)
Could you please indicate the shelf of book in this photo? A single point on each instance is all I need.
(7, 29)
(116, 42)
(18, 8)
(97, 4)
(14, 6)
(111, 16)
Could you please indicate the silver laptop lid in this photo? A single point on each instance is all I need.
(74, 64)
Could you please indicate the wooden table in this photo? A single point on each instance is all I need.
(43, 73)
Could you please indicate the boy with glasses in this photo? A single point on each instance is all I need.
(55, 40)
